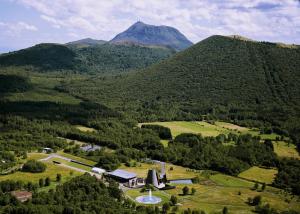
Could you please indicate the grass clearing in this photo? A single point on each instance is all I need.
(230, 181)
(85, 129)
(76, 165)
(165, 143)
(207, 129)
(51, 171)
(283, 149)
(82, 160)
(195, 127)
(259, 174)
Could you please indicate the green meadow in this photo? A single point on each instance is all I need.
(259, 174)
(213, 192)
(207, 129)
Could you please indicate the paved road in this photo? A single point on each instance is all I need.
(70, 167)
(55, 156)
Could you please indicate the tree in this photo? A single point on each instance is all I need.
(269, 144)
(165, 207)
(58, 177)
(41, 182)
(225, 210)
(255, 186)
(256, 200)
(47, 181)
(173, 200)
(193, 191)
(185, 190)
(34, 166)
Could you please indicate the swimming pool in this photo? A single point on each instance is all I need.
(181, 181)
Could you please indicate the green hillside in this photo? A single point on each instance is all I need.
(221, 76)
(116, 58)
(43, 56)
(85, 59)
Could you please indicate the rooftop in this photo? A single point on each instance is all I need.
(90, 148)
(122, 174)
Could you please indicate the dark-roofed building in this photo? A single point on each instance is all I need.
(22, 196)
(128, 179)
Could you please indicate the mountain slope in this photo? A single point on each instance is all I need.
(93, 59)
(219, 74)
(86, 42)
(141, 33)
(45, 56)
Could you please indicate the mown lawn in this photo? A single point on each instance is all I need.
(259, 174)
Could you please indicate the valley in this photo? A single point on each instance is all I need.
(91, 125)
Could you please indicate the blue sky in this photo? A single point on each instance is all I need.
(24, 23)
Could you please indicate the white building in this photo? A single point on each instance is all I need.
(98, 170)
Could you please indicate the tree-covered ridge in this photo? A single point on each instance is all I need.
(116, 58)
(43, 56)
(97, 58)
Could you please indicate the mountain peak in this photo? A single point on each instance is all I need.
(146, 34)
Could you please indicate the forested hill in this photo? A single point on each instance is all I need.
(223, 70)
(105, 58)
(87, 42)
(220, 75)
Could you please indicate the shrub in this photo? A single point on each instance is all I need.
(173, 200)
(185, 190)
(34, 166)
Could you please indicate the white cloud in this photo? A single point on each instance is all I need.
(15, 28)
(197, 19)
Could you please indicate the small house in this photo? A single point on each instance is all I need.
(47, 150)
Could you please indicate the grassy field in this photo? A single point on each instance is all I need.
(73, 157)
(207, 129)
(215, 192)
(68, 163)
(259, 174)
(230, 181)
(85, 129)
(51, 171)
(213, 198)
(283, 149)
